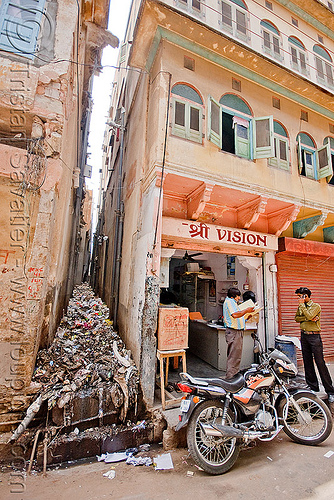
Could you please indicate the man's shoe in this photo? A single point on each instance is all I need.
(331, 398)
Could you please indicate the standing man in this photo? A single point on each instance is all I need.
(234, 320)
(308, 315)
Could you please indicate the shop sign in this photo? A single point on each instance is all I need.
(212, 234)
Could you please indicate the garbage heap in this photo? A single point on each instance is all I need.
(87, 376)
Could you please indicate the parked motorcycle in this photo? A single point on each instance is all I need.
(225, 415)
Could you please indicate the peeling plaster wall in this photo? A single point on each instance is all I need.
(139, 287)
(38, 101)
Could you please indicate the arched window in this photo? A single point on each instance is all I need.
(298, 55)
(234, 18)
(312, 162)
(271, 39)
(187, 106)
(324, 66)
(281, 142)
(234, 130)
(236, 116)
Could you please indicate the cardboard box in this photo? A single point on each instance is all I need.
(173, 328)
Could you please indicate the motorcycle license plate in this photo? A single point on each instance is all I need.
(184, 406)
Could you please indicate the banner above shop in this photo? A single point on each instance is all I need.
(199, 232)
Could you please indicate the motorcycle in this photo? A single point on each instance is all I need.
(223, 416)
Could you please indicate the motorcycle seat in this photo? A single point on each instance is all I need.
(233, 384)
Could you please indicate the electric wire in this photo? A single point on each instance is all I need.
(219, 12)
(251, 14)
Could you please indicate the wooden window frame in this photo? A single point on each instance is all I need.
(276, 160)
(186, 132)
(233, 27)
(271, 49)
(300, 53)
(254, 151)
(323, 75)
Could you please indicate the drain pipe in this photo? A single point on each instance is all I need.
(118, 226)
(265, 301)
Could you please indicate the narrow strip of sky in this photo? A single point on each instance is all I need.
(118, 18)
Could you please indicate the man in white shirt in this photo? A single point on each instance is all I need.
(234, 320)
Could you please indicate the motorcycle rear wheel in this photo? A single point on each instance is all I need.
(214, 454)
(315, 423)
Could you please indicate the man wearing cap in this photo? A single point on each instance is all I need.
(308, 315)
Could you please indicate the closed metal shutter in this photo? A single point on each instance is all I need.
(317, 274)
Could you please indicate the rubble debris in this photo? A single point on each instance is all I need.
(163, 462)
(31, 412)
(109, 458)
(131, 460)
(86, 354)
(144, 447)
(139, 426)
(111, 474)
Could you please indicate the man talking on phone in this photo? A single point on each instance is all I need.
(308, 315)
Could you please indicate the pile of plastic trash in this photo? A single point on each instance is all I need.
(86, 353)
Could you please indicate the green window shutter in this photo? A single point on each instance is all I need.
(20, 23)
(309, 161)
(300, 156)
(215, 122)
(241, 141)
(187, 120)
(195, 123)
(179, 118)
(281, 153)
(274, 160)
(263, 137)
(306, 157)
(324, 162)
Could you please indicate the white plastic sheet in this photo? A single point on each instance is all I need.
(163, 462)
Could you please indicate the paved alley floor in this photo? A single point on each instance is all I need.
(278, 469)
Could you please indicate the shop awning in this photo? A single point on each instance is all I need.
(192, 199)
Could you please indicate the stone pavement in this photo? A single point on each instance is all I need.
(268, 471)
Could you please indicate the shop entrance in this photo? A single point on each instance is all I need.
(200, 281)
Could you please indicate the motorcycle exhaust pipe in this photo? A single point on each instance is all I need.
(218, 430)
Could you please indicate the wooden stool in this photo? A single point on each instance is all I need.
(161, 355)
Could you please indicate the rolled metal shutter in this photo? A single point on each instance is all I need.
(317, 274)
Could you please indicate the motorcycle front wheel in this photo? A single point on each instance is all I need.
(214, 454)
(312, 424)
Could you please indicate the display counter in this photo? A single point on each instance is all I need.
(207, 342)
